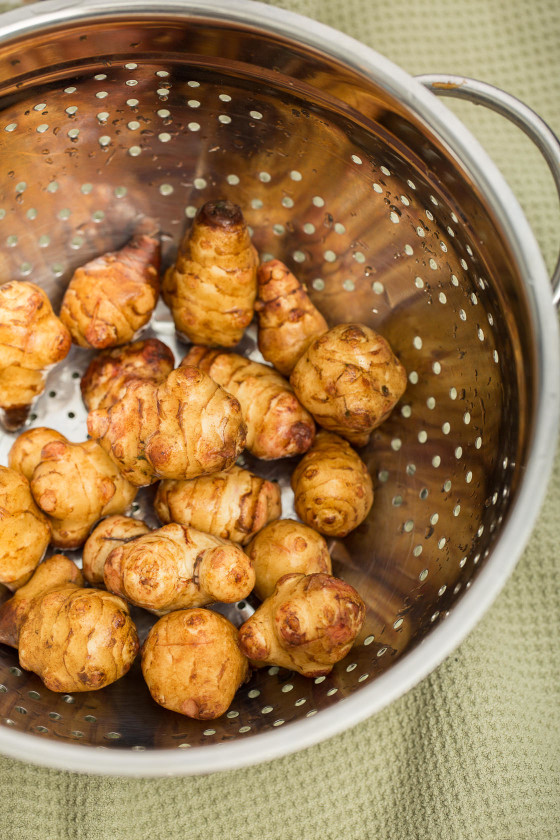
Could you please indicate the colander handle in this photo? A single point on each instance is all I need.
(517, 112)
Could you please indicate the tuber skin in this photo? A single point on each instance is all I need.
(55, 571)
(192, 664)
(288, 321)
(74, 484)
(110, 372)
(110, 298)
(286, 547)
(211, 289)
(350, 380)
(277, 424)
(175, 567)
(307, 625)
(110, 533)
(24, 530)
(233, 505)
(182, 428)
(77, 639)
(32, 340)
(332, 487)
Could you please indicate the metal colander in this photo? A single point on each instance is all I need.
(378, 198)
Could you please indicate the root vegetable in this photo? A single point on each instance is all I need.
(77, 639)
(112, 297)
(32, 340)
(285, 547)
(109, 373)
(211, 288)
(55, 571)
(24, 530)
(332, 487)
(308, 625)
(110, 533)
(75, 484)
(233, 505)
(277, 424)
(25, 453)
(288, 321)
(192, 664)
(350, 380)
(176, 567)
(182, 428)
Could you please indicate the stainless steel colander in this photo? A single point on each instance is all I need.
(379, 199)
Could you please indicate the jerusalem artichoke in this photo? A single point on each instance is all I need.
(24, 530)
(110, 533)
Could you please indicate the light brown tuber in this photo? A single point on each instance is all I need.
(350, 380)
(53, 572)
(233, 505)
(110, 298)
(24, 530)
(175, 567)
(75, 484)
(211, 288)
(277, 424)
(192, 664)
(182, 428)
(288, 321)
(333, 491)
(109, 534)
(77, 639)
(32, 340)
(284, 547)
(308, 625)
(109, 373)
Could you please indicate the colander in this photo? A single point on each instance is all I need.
(376, 196)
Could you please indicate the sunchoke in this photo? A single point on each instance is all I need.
(192, 664)
(350, 380)
(109, 373)
(284, 547)
(55, 571)
(332, 487)
(24, 530)
(308, 625)
(75, 484)
(110, 533)
(77, 639)
(288, 321)
(211, 289)
(32, 339)
(233, 505)
(109, 299)
(277, 424)
(175, 567)
(182, 428)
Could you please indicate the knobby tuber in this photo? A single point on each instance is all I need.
(175, 567)
(277, 424)
(24, 530)
(288, 321)
(192, 663)
(333, 491)
(307, 625)
(109, 534)
(110, 372)
(182, 428)
(350, 380)
(284, 547)
(109, 299)
(233, 505)
(211, 288)
(32, 340)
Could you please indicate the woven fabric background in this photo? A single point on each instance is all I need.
(473, 752)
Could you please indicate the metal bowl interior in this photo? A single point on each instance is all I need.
(114, 112)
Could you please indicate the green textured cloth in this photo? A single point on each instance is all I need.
(474, 750)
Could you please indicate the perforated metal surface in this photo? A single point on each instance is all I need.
(346, 186)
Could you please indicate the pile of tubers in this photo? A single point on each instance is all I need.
(222, 535)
